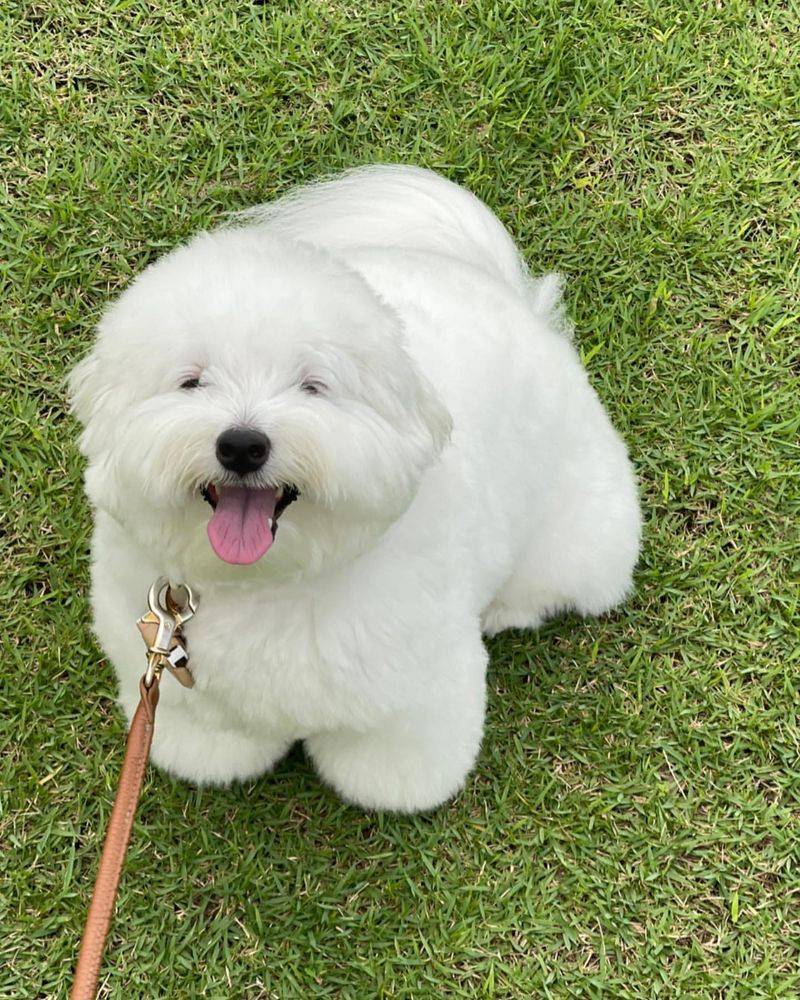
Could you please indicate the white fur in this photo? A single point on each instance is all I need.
(459, 476)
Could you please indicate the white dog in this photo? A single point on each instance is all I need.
(355, 425)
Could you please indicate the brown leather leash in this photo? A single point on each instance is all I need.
(161, 630)
(101, 908)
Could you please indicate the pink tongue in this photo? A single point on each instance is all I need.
(239, 529)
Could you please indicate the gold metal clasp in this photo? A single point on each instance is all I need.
(162, 630)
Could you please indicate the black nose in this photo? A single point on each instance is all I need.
(242, 450)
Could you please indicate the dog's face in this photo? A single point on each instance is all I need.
(240, 387)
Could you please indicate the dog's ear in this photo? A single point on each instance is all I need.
(82, 388)
(95, 400)
(85, 396)
(431, 412)
(398, 390)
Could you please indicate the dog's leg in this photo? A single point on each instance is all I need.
(197, 750)
(582, 549)
(417, 758)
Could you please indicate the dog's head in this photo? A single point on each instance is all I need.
(242, 385)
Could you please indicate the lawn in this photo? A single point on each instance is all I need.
(632, 828)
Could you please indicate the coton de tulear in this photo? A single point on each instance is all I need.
(356, 426)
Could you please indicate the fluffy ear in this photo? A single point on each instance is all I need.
(94, 399)
(392, 384)
(82, 387)
(432, 413)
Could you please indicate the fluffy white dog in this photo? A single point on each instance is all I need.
(356, 426)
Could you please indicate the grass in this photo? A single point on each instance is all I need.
(631, 829)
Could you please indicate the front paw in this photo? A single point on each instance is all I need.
(412, 762)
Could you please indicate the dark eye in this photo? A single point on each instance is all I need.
(313, 387)
(190, 383)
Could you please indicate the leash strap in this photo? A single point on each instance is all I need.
(106, 885)
(162, 631)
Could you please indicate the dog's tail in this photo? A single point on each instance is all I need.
(404, 207)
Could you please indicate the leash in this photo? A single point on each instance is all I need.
(162, 630)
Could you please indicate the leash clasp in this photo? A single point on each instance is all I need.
(162, 630)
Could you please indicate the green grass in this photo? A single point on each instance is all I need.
(632, 827)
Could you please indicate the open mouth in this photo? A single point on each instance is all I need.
(245, 519)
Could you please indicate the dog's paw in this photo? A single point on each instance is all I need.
(411, 763)
(213, 756)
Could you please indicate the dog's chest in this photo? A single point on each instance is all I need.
(277, 663)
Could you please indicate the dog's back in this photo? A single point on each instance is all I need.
(404, 208)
